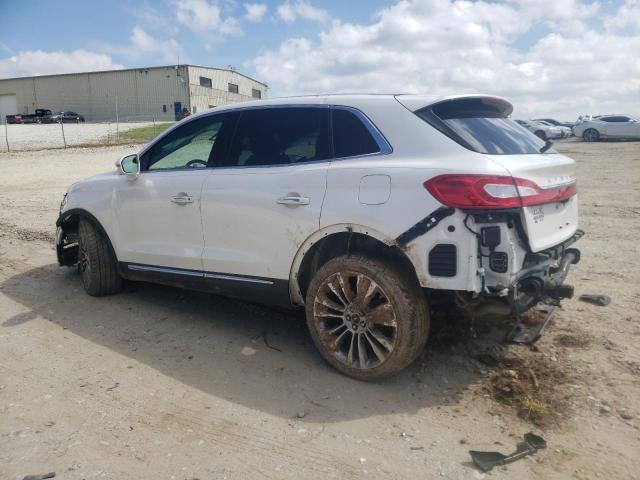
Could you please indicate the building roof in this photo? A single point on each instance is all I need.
(137, 68)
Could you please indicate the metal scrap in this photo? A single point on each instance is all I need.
(485, 461)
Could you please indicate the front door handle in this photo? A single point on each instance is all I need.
(182, 198)
(295, 200)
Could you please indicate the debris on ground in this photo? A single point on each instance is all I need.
(595, 299)
(43, 476)
(487, 460)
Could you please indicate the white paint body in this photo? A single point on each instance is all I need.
(236, 226)
(622, 127)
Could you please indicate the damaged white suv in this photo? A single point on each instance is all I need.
(370, 211)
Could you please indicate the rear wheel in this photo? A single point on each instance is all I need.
(591, 135)
(96, 262)
(367, 318)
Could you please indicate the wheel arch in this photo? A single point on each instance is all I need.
(333, 241)
(68, 221)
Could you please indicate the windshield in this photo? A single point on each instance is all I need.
(482, 129)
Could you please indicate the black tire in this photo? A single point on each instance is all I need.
(591, 135)
(540, 134)
(393, 323)
(97, 263)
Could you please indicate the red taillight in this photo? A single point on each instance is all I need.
(493, 191)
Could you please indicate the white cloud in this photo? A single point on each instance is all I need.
(448, 47)
(201, 16)
(39, 62)
(290, 12)
(255, 12)
(143, 44)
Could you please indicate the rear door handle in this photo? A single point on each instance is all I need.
(182, 198)
(295, 200)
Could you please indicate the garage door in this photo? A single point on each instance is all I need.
(8, 106)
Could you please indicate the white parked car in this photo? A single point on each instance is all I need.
(545, 130)
(561, 130)
(593, 129)
(370, 211)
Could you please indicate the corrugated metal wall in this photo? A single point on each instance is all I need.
(140, 94)
(203, 98)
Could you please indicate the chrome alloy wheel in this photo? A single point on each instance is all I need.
(355, 320)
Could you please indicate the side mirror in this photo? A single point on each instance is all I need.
(129, 166)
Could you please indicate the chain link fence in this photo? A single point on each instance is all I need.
(28, 137)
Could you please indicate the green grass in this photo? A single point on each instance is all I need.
(141, 134)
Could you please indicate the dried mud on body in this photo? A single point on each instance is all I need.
(158, 383)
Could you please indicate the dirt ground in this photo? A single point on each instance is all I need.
(161, 383)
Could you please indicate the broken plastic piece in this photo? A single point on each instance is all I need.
(43, 476)
(487, 460)
(520, 334)
(596, 299)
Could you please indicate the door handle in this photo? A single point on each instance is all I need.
(295, 200)
(182, 198)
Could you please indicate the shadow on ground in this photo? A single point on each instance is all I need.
(218, 346)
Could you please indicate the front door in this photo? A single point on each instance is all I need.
(158, 215)
(265, 196)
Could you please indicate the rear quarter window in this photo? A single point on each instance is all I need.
(351, 137)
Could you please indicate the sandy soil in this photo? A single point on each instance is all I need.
(37, 137)
(161, 383)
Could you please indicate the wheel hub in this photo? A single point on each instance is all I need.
(355, 320)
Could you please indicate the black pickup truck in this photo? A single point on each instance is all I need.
(29, 118)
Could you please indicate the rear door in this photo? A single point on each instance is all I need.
(265, 195)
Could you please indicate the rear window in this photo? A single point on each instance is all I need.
(481, 126)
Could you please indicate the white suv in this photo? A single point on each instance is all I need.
(370, 211)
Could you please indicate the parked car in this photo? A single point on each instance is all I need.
(370, 211)
(592, 129)
(63, 117)
(565, 131)
(543, 131)
(553, 122)
(29, 118)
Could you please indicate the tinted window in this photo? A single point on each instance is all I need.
(188, 146)
(482, 127)
(233, 88)
(280, 136)
(255, 93)
(205, 82)
(350, 136)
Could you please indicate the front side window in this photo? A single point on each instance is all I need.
(280, 136)
(350, 136)
(188, 146)
(481, 126)
(233, 88)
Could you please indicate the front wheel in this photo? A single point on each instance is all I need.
(96, 262)
(368, 318)
(591, 135)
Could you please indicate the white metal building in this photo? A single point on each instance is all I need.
(135, 94)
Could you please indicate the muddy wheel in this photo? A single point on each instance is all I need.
(96, 262)
(591, 135)
(368, 318)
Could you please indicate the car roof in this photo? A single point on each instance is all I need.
(411, 101)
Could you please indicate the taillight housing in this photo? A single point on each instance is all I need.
(490, 192)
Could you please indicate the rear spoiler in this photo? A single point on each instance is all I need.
(487, 104)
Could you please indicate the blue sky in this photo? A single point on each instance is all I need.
(548, 56)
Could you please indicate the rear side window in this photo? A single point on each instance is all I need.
(350, 136)
(280, 136)
(482, 126)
